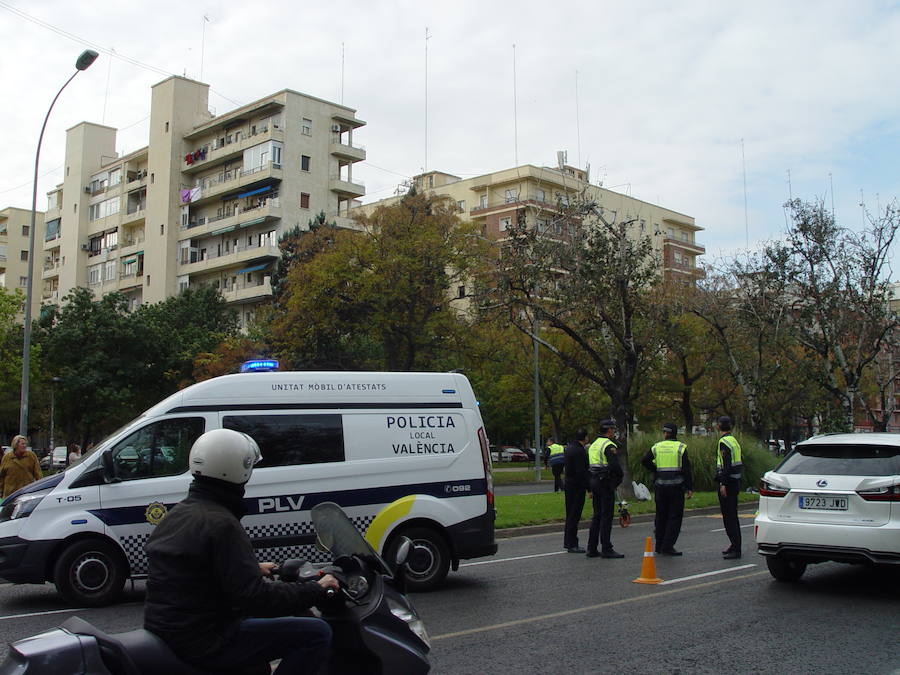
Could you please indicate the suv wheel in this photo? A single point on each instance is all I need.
(785, 569)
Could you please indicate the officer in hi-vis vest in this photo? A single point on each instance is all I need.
(557, 462)
(606, 474)
(729, 471)
(673, 481)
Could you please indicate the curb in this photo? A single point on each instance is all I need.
(544, 528)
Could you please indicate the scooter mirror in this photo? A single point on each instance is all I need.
(404, 551)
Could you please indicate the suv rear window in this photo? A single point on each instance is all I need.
(843, 460)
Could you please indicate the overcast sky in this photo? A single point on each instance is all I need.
(656, 96)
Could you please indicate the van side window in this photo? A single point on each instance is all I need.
(158, 449)
(286, 440)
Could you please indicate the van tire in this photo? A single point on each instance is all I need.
(90, 573)
(785, 569)
(429, 561)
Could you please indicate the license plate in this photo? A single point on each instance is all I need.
(823, 503)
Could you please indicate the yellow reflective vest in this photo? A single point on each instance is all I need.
(668, 457)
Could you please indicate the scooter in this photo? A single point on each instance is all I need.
(375, 628)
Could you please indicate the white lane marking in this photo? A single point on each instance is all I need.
(519, 557)
(591, 608)
(50, 611)
(707, 574)
(722, 529)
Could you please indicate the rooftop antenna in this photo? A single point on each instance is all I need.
(790, 187)
(515, 110)
(578, 121)
(427, 37)
(203, 44)
(746, 212)
(831, 183)
(106, 95)
(342, 73)
(862, 206)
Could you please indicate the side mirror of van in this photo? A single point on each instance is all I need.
(109, 469)
(404, 551)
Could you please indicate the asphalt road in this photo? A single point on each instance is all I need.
(534, 608)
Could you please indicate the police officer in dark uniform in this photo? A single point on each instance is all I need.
(577, 484)
(605, 475)
(729, 471)
(673, 481)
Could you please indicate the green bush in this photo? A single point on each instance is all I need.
(701, 451)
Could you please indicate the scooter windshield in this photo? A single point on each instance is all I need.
(340, 536)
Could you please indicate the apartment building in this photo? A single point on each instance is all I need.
(204, 202)
(497, 200)
(15, 225)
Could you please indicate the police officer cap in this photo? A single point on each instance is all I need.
(725, 423)
(607, 424)
(670, 427)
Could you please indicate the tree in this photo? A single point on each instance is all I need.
(10, 361)
(385, 297)
(836, 291)
(593, 283)
(290, 243)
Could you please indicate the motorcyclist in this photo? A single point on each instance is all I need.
(205, 583)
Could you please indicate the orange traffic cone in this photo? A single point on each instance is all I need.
(648, 568)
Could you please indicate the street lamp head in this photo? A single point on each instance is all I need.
(88, 56)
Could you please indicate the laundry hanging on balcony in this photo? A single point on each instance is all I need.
(189, 195)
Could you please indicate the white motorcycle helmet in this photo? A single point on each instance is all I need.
(224, 454)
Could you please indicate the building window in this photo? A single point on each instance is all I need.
(162, 228)
(460, 291)
(304, 162)
(23, 282)
(540, 195)
(461, 205)
(484, 202)
(304, 200)
(103, 209)
(306, 127)
(167, 127)
(23, 256)
(671, 233)
(511, 196)
(505, 224)
(94, 274)
(109, 272)
(542, 225)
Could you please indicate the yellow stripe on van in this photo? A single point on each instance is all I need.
(386, 518)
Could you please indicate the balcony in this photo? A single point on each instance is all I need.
(690, 246)
(680, 270)
(51, 269)
(351, 153)
(133, 217)
(238, 256)
(346, 188)
(131, 245)
(270, 210)
(244, 292)
(228, 181)
(232, 150)
(50, 296)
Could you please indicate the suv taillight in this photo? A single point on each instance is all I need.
(769, 490)
(891, 493)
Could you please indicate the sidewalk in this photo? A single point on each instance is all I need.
(544, 528)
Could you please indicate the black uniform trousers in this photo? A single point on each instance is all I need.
(574, 508)
(603, 492)
(729, 506)
(669, 513)
(557, 470)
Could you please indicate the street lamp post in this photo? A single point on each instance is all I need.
(84, 61)
(53, 382)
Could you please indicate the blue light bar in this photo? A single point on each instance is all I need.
(448, 391)
(259, 366)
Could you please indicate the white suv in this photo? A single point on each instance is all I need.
(835, 497)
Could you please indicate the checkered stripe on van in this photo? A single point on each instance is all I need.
(133, 546)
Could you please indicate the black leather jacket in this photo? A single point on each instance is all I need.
(204, 576)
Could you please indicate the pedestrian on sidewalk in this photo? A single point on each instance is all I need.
(576, 485)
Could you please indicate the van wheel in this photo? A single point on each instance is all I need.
(90, 573)
(429, 560)
(785, 569)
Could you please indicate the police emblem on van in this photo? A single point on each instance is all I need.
(155, 513)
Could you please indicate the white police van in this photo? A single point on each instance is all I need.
(405, 454)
